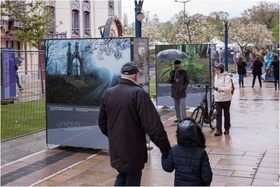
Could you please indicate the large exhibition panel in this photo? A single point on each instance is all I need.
(78, 74)
(198, 63)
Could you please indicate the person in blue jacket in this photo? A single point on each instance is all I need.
(188, 158)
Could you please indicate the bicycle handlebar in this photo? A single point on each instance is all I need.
(207, 87)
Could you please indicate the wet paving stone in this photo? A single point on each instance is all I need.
(249, 156)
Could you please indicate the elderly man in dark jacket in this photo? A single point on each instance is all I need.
(126, 115)
(180, 81)
(188, 157)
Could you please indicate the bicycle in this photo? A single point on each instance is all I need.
(203, 114)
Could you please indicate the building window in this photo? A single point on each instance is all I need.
(52, 25)
(86, 23)
(111, 8)
(1, 21)
(75, 22)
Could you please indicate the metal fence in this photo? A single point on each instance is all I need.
(24, 113)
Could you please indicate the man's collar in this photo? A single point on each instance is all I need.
(130, 80)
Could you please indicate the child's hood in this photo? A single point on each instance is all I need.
(189, 133)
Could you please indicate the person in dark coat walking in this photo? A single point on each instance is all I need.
(241, 70)
(257, 71)
(126, 115)
(188, 158)
(180, 81)
(275, 64)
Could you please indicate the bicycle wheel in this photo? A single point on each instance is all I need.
(212, 115)
(198, 116)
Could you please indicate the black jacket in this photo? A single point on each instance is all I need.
(241, 68)
(180, 82)
(275, 64)
(257, 67)
(188, 158)
(126, 115)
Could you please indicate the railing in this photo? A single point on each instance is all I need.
(60, 35)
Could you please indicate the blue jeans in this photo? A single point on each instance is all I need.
(241, 79)
(128, 179)
(180, 108)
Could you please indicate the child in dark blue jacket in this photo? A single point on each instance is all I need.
(188, 157)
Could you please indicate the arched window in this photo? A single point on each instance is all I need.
(52, 25)
(86, 23)
(111, 8)
(75, 22)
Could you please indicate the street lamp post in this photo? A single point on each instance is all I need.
(183, 1)
(226, 24)
(138, 13)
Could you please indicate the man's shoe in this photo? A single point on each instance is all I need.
(20, 89)
(149, 148)
(176, 120)
(218, 133)
(226, 131)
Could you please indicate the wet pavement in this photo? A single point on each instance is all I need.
(248, 156)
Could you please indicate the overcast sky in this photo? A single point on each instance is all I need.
(166, 9)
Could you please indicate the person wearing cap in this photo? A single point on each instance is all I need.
(222, 96)
(126, 115)
(180, 81)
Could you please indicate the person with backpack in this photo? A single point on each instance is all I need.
(188, 158)
(223, 97)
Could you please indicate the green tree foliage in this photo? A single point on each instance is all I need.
(154, 30)
(275, 34)
(244, 34)
(265, 13)
(217, 19)
(167, 28)
(130, 30)
(35, 17)
(191, 30)
(253, 28)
